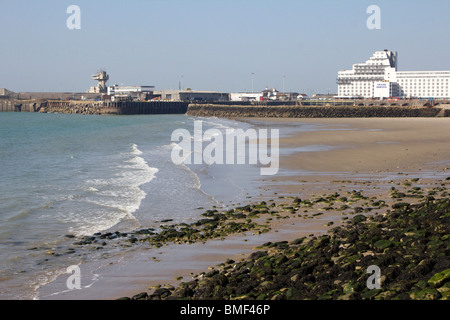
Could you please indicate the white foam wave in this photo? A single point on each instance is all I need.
(135, 149)
(115, 198)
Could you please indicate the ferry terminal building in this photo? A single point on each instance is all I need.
(378, 78)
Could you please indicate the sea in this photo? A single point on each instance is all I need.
(65, 176)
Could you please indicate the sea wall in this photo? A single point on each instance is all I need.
(226, 111)
(116, 108)
(150, 107)
(20, 105)
(219, 110)
(72, 107)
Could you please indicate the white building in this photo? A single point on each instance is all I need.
(424, 84)
(360, 82)
(191, 95)
(135, 92)
(246, 96)
(378, 78)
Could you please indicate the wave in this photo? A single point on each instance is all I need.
(111, 200)
(135, 149)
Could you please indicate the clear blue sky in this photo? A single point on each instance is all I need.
(213, 44)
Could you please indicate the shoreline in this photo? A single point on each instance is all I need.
(294, 184)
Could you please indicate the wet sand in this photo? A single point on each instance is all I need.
(367, 154)
(374, 149)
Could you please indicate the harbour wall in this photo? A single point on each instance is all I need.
(226, 111)
(221, 110)
(20, 106)
(95, 107)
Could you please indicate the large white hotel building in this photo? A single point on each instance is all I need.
(378, 78)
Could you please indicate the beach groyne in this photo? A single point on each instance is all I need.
(227, 111)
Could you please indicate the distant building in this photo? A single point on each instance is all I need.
(423, 84)
(190, 95)
(270, 94)
(6, 94)
(57, 96)
(266, 95)
(132, 92)
(378, 78)
(246, 96)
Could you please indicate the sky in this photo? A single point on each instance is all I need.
(217, 45)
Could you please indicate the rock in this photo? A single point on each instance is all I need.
(426, 294)
(140, 296)
(132, 239)
(161, 293)
(382, 244)
(291, 293)
(440, 278)
(258, 254)
(359, 218)
(400, 205)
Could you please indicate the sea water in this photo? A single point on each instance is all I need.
(64, 176)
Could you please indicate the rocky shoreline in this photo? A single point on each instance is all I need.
(406, 235)
(226, 111)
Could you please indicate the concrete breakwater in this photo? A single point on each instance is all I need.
(219, 110)
(310, 111)
(116, 108)
(95, 107)
(20, 106)
(152, 107)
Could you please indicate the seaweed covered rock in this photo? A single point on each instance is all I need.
(410, 245)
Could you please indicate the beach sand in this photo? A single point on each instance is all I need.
(370, 154)
(377, 149)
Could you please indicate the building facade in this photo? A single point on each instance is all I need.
(245, 96)
(424, 84)
(378, 78)
(133, 92)
(191, 95)
(360, 82)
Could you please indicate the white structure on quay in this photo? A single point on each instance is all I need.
(378, 78)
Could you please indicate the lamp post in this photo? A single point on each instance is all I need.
(252, 80)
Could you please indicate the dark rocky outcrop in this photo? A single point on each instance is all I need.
(409, 243)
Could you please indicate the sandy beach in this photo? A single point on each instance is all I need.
(374, 148)
(372, 145)
(368, 155)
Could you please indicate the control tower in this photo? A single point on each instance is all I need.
(101, 76)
